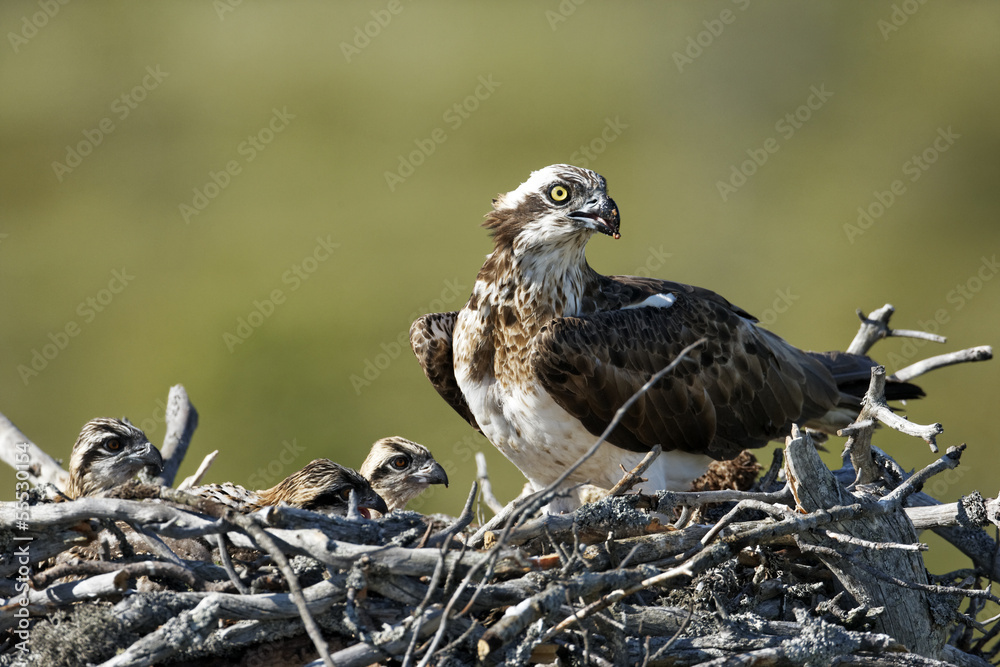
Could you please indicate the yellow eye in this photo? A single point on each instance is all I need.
(400, 462)
(345, 493)
(558, 193)
(113, 445)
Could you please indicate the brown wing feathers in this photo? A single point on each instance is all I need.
(430, 338)
(740, 389)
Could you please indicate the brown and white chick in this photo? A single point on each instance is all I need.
(400, 469)
(108, 452)
(321, 486)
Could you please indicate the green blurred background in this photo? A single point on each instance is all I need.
(663, 99)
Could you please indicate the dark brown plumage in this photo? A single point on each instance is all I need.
(547, 350)
(107, 453)
(400, 470)
(321, 486)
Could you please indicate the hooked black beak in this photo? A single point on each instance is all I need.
(373, 501)
(600, 213)
(432, 473)
(148, 456)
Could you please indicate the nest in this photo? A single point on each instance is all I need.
(804, 566)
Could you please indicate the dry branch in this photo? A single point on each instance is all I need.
(875, 327)
(981, 353)
(482, 475)
(21, 454)
(182, 420)
(195, 479)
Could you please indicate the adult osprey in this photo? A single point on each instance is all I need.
(546, 350)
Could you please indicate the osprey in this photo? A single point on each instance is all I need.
(400, 470)
(107, 453)
(546, 350)
(321, 486)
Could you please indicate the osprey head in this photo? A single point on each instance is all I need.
(400, 469)
(556, 205)
(109, 452)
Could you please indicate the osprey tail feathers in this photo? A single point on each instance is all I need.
(852, 373)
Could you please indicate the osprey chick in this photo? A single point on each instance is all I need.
(400, 469)
(321, 486)
(107, 453)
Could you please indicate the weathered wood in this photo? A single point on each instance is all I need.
(932, 516)
(21, 454)
(195, 624)
(392, 642)
(873, 328)
(951, 521)
(182, 420)
(195, 479)
(980, 353)
(913, 619)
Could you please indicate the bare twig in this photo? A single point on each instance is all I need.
(484, 483)
(874, 328)
(20, 453)
(634, 476)
(395, 644)
(460, 524)
(195, 479)
(874, 407)
(227, 564)
(981, 353)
